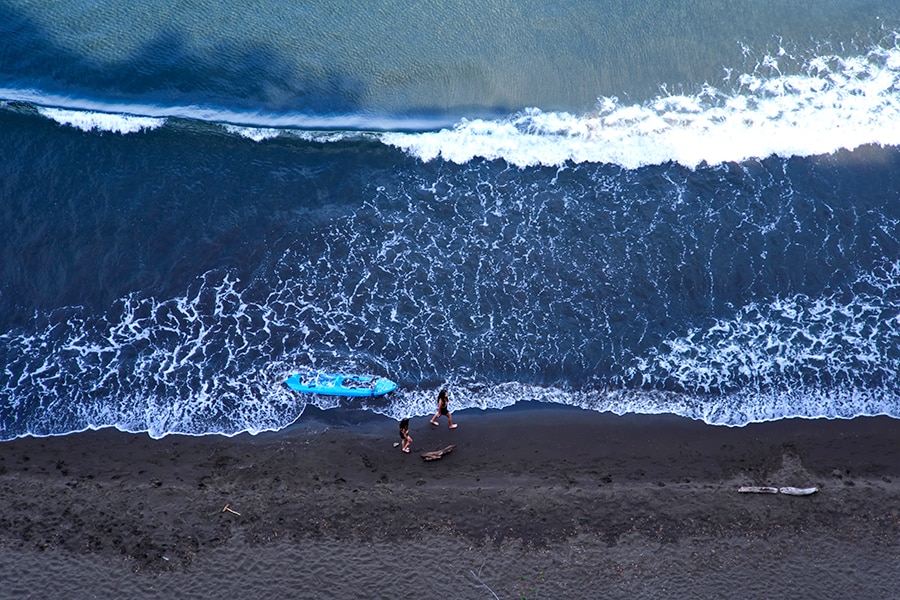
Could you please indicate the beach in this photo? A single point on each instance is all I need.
(651, 249)
(535, 501)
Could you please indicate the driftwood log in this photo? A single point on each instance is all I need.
(795, 491)
(438, 453)
(790, 491)
(755, 489)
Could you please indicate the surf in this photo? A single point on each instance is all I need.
(832, 104)
(827, 104)
(209, 362)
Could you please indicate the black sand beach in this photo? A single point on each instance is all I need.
(535, 502)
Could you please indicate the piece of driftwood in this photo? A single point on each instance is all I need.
(755, 489)
(231, 510)
(794, 491)
(438, 453)
(789, 491)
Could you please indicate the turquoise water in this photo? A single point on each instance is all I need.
(459, 59)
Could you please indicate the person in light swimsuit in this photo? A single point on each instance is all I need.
(442, 401)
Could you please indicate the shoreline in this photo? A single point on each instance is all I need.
(365, 421)
(594, 501)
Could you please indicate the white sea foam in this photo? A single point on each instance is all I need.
(838, 343)
(191, 364)
(259, 134)
(837, 103)
(98, 121)
(731, 409)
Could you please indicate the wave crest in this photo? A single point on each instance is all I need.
(98, 121)
(834, 103)
(782, 107)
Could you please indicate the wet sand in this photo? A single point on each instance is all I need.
(535, 502)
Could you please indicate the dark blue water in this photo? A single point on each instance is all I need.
(194, 209)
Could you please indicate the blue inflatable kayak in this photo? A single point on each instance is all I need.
(341, 385)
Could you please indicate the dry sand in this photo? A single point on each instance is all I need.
(535, 502)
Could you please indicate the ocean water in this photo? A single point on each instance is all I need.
(645, 206)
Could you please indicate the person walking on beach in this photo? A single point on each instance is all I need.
(442, 402)
(405, 440)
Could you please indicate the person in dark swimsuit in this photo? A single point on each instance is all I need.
(405, 440)
(443, 400)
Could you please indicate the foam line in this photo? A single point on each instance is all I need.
(96, 121)
(835, 103)
(322, 125)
